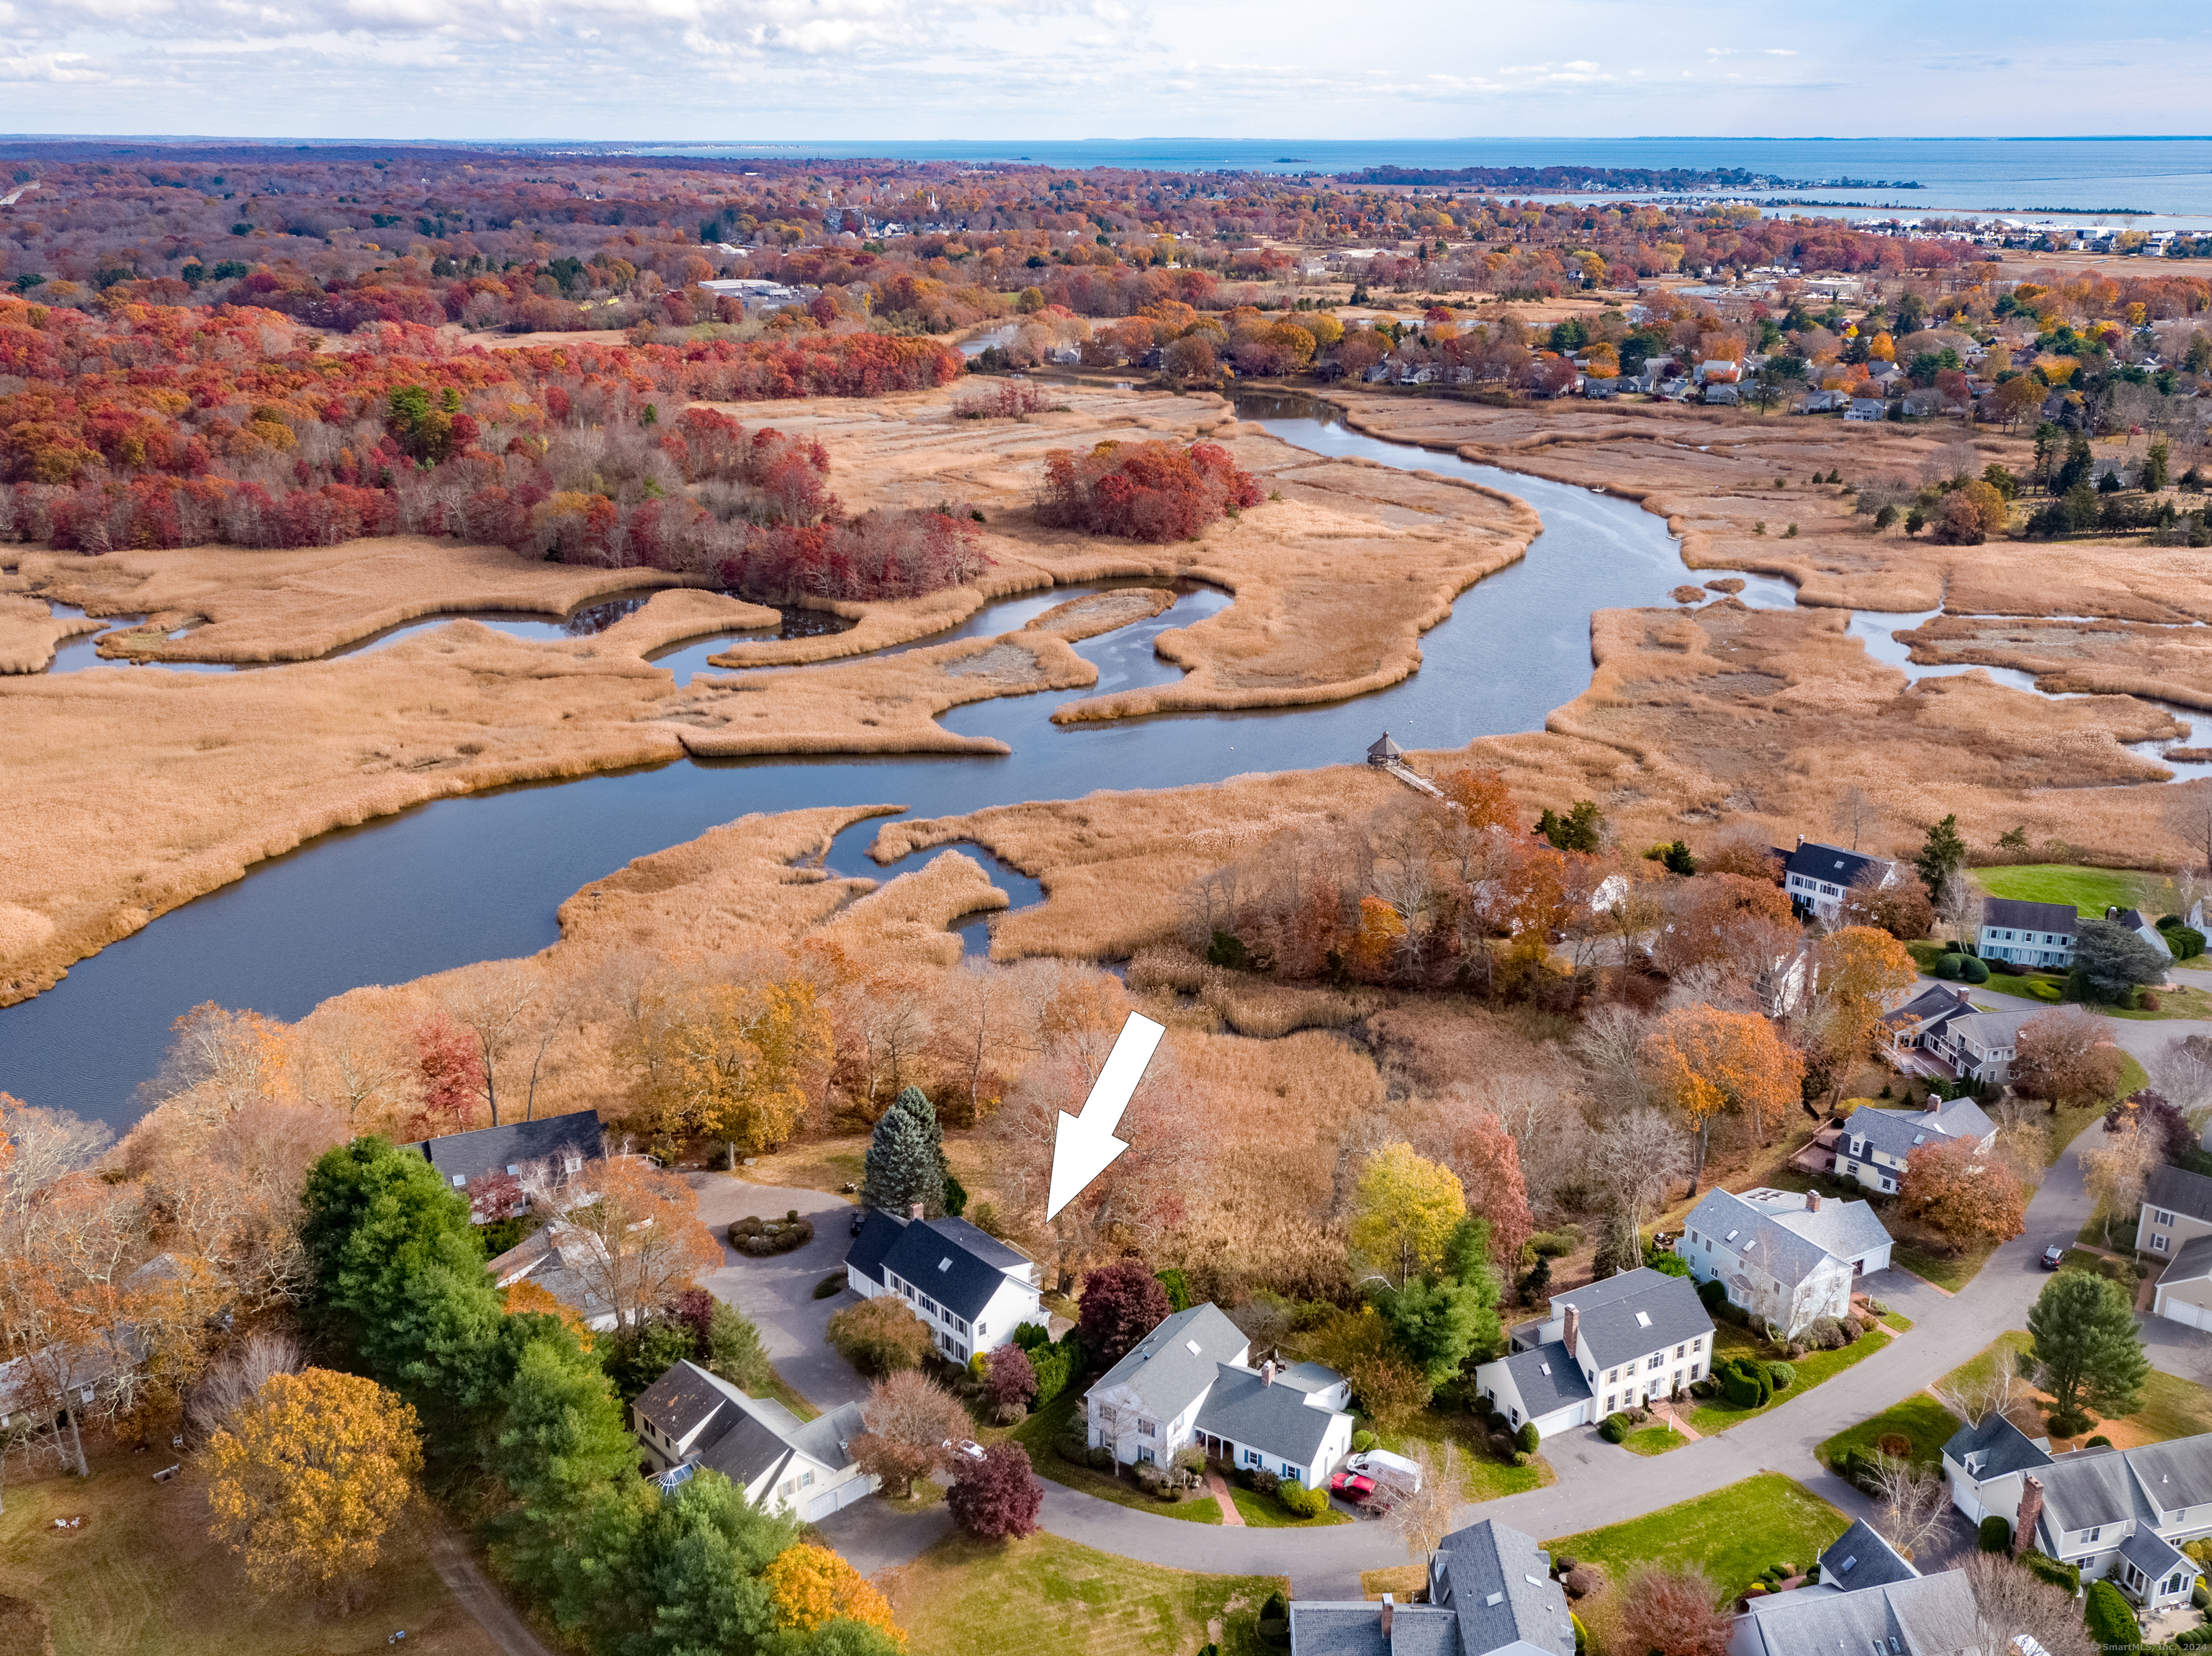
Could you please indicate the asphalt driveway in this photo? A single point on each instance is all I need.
(778, 1293)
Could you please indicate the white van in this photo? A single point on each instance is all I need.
(1386, 1468)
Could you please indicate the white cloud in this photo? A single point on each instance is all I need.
(52, 67)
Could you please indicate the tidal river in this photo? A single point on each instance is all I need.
(480, 877)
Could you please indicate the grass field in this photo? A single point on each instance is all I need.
(1653, 1440)
(1047, 1597)
(1733, 1534)
(1042, 1429)
(1260, 1513)
(1947, 1270)
(1926, 1422)
(2091, 890)
(2171, 1407)
(1716, 1415)
(141, 1577)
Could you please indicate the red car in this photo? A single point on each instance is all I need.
(1351, 1486)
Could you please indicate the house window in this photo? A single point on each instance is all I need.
(1682, 1350)
(1251, 1457)
(2160, 1216)
(1654, 1360)
(2094, 1533)
(929, 1305)
(1143, 1429)
(1608, 1402)
(786, 1486)
(2158, 1244)
(1699, 1344)
(1696, 1369)
(806, 1480)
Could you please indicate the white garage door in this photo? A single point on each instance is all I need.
(830, 1501)
(2188, 1315)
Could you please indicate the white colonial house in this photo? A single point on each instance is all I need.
(1817, 876)
(1489, 1591)
(2175, 1225)
(1189, 1381)
(2123, 1515)
(1875, 1143)
(1785, 1257)
(971, 1288)
(691, 1417)
(2029, 934)
(1626, 1340)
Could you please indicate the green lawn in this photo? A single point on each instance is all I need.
(1043, 1430)
(1482, 1477)
(1732, 1534)
(2171, 1407)
(1653, 1440)
(1919, 1418)
(1717, 1415)
(2006, 1347)
(1260, 1513)
(1047, 1597)
(2091, 890)
(1902, 1325)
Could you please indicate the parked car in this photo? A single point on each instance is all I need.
(1351, 1486)
(859, 1219)
(967, 1446)
(1384, 1467)
(2054, 1256)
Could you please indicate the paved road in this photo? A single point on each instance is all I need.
(778, 1294)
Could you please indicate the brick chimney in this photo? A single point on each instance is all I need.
(2031, 1508)
(1572, 1327)
(1812, 1201)
(913, 1211)
(1389, 1612)
(1267, 1372)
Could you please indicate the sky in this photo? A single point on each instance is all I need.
(855, 70)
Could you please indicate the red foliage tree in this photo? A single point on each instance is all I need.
(450, 1064)
(1143, 491)
(1009, 1378)
(996, 1498)
(1120, 1304)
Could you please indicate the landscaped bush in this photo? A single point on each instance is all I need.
(2047, 1568)
(2099, 1441)
(1265, 1482)
(879, 1336)
(1056, 1365)
(1101, 1459)
(1996, 1534)
(1581, 1580)
(1614, 1428)
(1528, 1438)
(1275, 1620)
(1780, 1376)
(1073, 1449)
(829, 1287)
(1556, 1244)
(1361, 1441)
(1501, 1445)
(1745, 1383)
(1300, 1501)
(2111, 1622)
(1824, 1334)
(1029, 1335)
(2065, 1425)
(1971, 970)
(1713, 1294)
(761, 1238)
(1947, 967)
(2147, 1000)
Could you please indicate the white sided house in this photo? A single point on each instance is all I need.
(2039, 935)
(1817, 876)
(1785, 1257)
(2176, 1225)
(1188, 1382)
(691, 1418)
(970, 1288)
(1876, 1144)
(1620, 1342)
(1489, 1591)
(2123, 1515)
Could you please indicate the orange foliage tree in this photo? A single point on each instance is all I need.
(646, 1241)
(1704, 1062)
(1966, 1192)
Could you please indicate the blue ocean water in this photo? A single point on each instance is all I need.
(2166, 177)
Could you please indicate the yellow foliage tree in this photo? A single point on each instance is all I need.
(1855, 971)
(809, 1585)
(309, 1478)
(1380, 933)
(526, 1298)
(732, 1061)
(1704, 1061)
(1403, 1212)
(1882, 348)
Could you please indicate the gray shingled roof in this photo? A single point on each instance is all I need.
(1609, 1312)
(680, 1400)
(489, 1150)
(1860, 1557)
(1846, 1229)
(2192, 1263)
(2081, 1492)
(745, 1437)
(1163, 1370)
(943, 1268)
(1336, 1627)
(1935, 1004)
(1830, 863)
(1276, 1420)
(1901, 1132)
(1759, 1235)
(2013, 914)
(2177, 1474)
(2181, 1190)
(1988, 1029)
(1547, 1378)
(2150, 1552)
(2005, 1446)
(1927, 1615)
(1000, 1256)
(1488, 1562)
(877, 1232)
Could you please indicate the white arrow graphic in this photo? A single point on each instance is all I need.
(1083, 1146)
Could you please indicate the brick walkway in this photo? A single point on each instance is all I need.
(1228, 1513)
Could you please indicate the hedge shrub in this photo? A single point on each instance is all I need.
(829, 1287)
(2045, 1568)
(761, 1238)
(1275, 1620)
(1300, 1501)
(1948, 966)
(2111, 1622)
(1528, 1438)
(1361, 1441)
(1614, 1428)
(1997, 1534)
(1971, 970)
(1780, 1376)
(1713, 1295)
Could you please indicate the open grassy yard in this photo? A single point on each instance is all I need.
(1261, 1513)
(140, 1577)
(1482, 1476)
(2171, 1407)
(1733, 1534)
(1717, 1415)
(1927, 1423)
(2091, 890)
(1045, 1428)
(1047, 1597)
(1951, 1271)
(1653, 1440)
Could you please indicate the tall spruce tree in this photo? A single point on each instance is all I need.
(2086, 1343)
(906, 1159)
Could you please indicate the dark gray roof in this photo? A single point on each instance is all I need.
(2193, 1263)
(1925, 1615)
(1488, 1562)
(1276, 1420)
(2015, 915)
(488, 1150)
(1933, 1004)
(745, 1438)
(826, 1437)
(1000, 1256)
(1610, 1312)
(2177, 1474)
(1830, 863)
(1758, 1233)
(1547, 1378)
(680, 1400)
(2180, 1189)
(744, 1447)
(1163, 1370)
(1901, 1132)
(877, 1232)
(1332, 1627)
(1860, 1557)
(2004, 1449)
(2149, 1552)
(942, 1266)
(2082, 1492)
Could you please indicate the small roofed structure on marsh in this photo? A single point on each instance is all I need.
(1384, 751)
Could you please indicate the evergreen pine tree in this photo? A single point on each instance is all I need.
(906, 1159)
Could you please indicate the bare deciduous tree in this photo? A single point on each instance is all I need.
(1423, 1517)
(2000, 1392)
(1913, 1502)
(231, 1382)
(1611, 1043)
(2188, 813)
(1638, 1155)
(2012, 1608)
(1856, 813)
(487, 1002)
